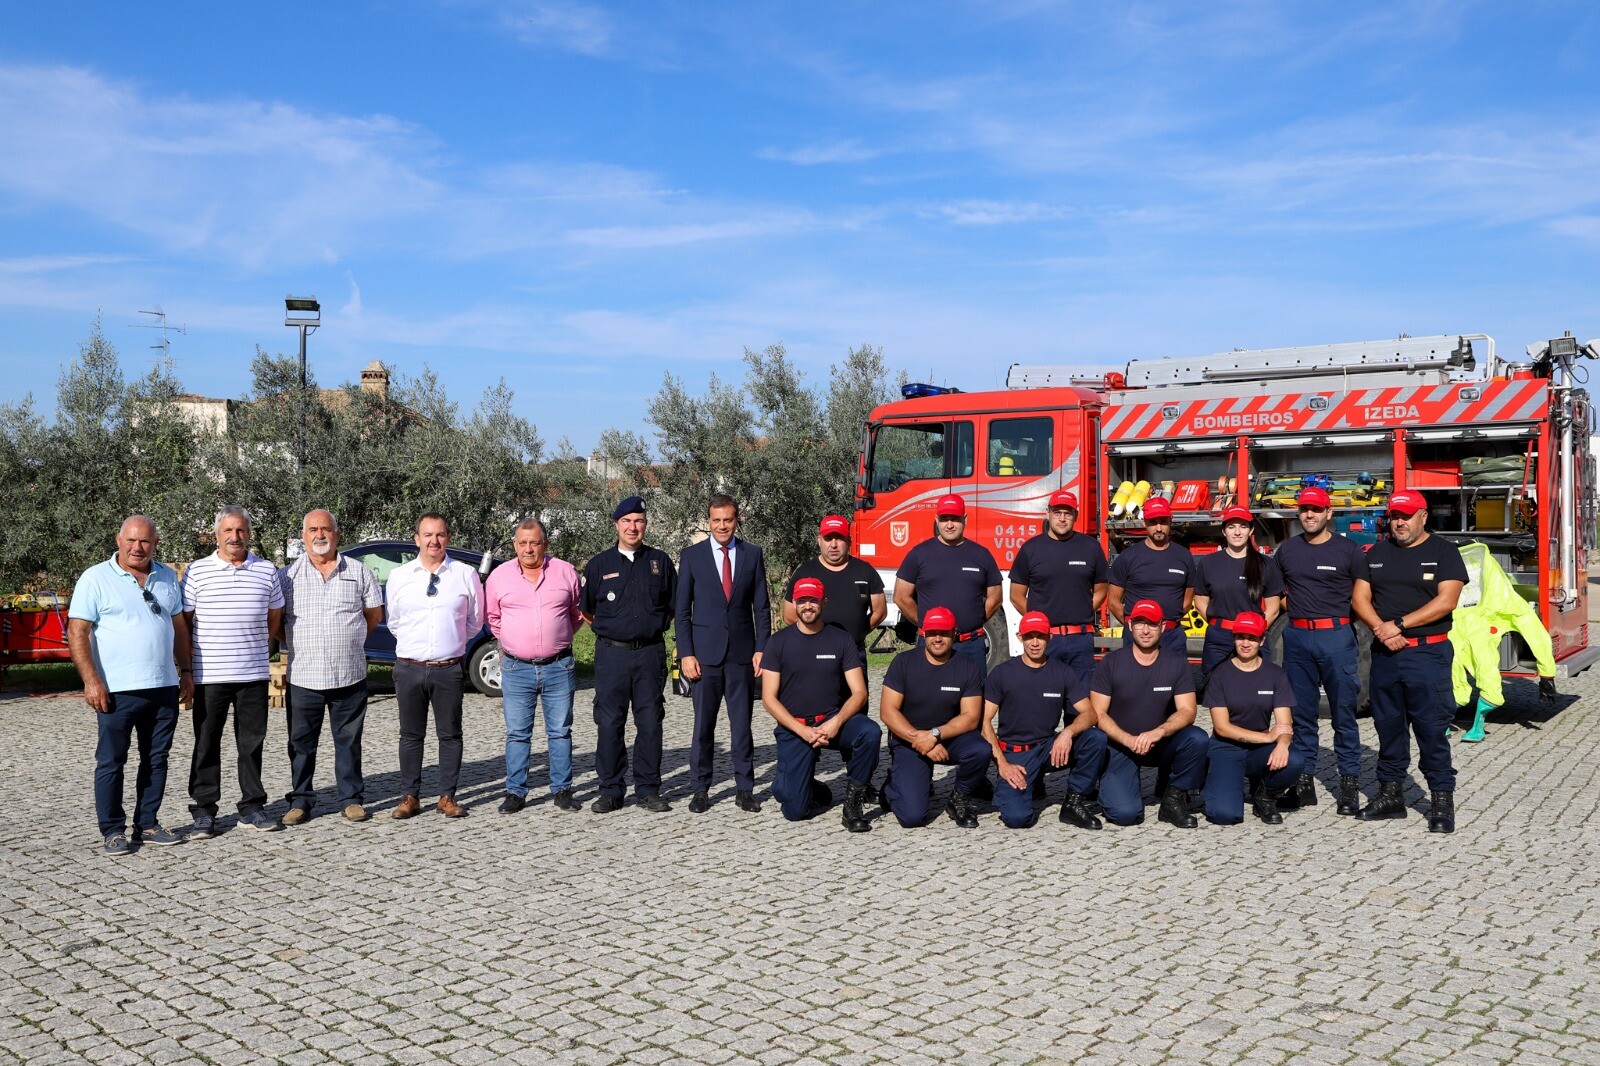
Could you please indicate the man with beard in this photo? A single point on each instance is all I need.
(814, 686)
(1156, 569)
(855, 600)
(950, 571)
(1063, 575)
(234, 607)
(330, 604)
(1406, 589)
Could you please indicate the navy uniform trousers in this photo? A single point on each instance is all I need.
(797, 762)
(1317, 659)
(625, 676)
(1180, 759)
(1411, 689)
(1085, 764)
(1231, 765)
(911, 775)
(1074, 649)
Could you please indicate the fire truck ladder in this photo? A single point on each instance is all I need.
(1362, 364)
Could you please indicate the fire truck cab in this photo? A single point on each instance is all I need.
(1500, 449)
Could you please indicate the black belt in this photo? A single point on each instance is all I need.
(564, 653)
(632, 645)
(429, 662)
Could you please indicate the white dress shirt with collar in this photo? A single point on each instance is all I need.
(438, 627)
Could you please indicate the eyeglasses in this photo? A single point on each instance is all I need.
(149, 598)
(433, 584)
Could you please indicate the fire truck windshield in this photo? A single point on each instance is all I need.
(911, 452)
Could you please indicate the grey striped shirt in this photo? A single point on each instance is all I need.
(230, 605)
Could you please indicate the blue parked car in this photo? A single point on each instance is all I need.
(483, 651)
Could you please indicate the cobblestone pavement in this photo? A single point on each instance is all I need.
(735, 937)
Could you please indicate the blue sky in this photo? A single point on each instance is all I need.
(579, 197)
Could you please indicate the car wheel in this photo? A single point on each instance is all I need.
(483, 668)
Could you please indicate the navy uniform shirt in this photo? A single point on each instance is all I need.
(1060, 576)
(1221, 577)
(630, 601)
(1403, 579)
(1319, 578)
(1249, 695)
(931, 695)
(1033, 701)
(955, 576)
(1144, 573)
(849, 593)
(811, 669)
(1142, 697)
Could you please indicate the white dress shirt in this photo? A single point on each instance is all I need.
(433, 628)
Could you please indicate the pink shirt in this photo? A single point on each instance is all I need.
(533, 621)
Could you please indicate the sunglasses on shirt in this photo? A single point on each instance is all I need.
(433, 584)
(149, 598)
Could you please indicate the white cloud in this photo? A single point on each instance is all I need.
(846, 151)
(571, 27)
(999, 213)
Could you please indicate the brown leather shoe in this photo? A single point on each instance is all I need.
(448, 807)
(409, 807)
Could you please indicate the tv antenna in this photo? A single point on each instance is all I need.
(160, 323)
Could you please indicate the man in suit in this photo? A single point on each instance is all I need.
(722, 624)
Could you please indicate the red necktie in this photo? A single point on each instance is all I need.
(727, 574)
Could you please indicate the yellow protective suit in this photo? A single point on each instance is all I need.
(1489, 608)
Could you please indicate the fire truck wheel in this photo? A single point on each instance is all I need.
(999, 639)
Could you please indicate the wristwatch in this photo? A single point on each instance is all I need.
(936, 735)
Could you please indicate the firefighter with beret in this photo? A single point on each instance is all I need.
(1159, 569)
(1319, 645)
(1063, 574)
(1037, 717)
(1407, 587)
(1251, 702)
(1143, 699)
(950, 570)
(932, 705)
(1231, 582)
(814, 685)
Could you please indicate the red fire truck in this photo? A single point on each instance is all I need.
(1500, 449)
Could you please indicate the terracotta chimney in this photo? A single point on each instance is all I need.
(375, 379)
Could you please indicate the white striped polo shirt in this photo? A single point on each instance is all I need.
(230, 605)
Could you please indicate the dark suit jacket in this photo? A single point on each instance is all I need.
(717, 630)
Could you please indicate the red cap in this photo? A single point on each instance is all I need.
(950, 505)
(1156, 507)
(1064, 498)
(1250, 624)
(1407, 502)
(808, 588)
(1237, 514)
(1034, 622)
(939, 620)
(832, 525)
(1313, 497)
(1149, 610)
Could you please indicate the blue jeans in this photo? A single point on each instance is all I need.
(523, 685)
(857, 741)
(152, 714)
(1181, 757)
(911, 775)
(1076, 650)
(1232, 763)
(1316, 659)
(1411, 688)
(346, 709)
(1085, 765)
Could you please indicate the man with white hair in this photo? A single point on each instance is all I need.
(234, 606)
(330, 604)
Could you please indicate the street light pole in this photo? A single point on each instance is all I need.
(305, 314)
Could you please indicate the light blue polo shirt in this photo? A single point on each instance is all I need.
(132, 644)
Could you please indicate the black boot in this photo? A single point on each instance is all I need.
(1390, 803)
(960, 810)
(853, 817)
(984, 790)
(1442, 815)
(821, 798)
(1265, 804)
(1175, 809)
(1349, 794)
(1305, 790)
(1075, 811)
